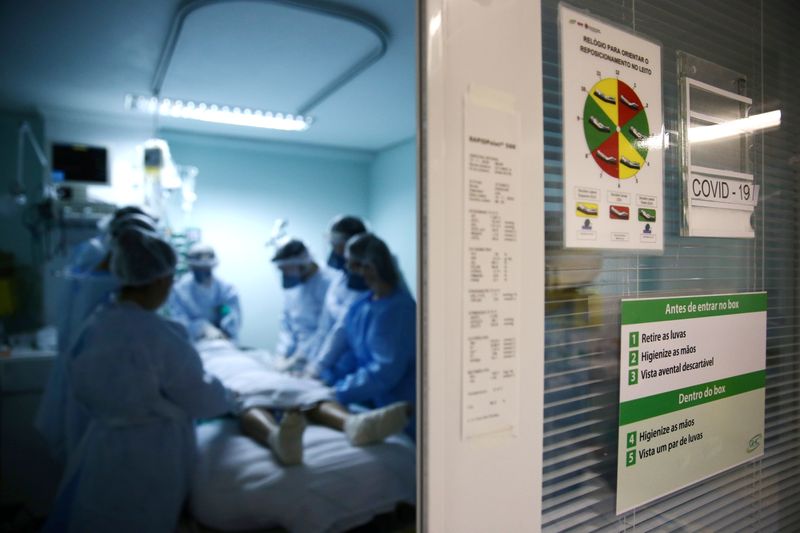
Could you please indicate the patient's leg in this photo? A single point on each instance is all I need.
(285, 439)
(365, 428)
(330, 414)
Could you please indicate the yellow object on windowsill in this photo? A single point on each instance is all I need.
(7, 306)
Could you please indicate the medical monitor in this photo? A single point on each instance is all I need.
(78, 164)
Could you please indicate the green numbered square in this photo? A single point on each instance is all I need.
(631, 440)
(633, 377)
(633, 358)
(633, 339)
(630, 458)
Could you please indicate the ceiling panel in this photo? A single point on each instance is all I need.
(83, 56)
(262, 55)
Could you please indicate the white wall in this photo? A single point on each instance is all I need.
(243, 186)
(393, 204)
(489, 482)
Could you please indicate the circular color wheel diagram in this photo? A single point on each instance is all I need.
(615, 126)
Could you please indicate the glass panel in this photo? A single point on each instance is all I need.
(716, 105)
(584, 290)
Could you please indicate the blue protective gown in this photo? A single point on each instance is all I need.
(331, 332)
(141, 383)
(86, 255)
(302, 307)
(195, 305)
(57, 417)
(378, 366)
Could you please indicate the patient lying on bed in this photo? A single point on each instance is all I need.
(274, 407)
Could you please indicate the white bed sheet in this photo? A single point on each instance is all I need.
(248, 373)
(239, 486)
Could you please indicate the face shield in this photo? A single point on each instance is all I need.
(294, 262)
(202, 257)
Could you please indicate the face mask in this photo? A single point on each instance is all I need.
(291, 280)
(336, 261)
(356, 282)
(201, 276)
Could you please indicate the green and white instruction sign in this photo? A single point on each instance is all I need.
(691, 404)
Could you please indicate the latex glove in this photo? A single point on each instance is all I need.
(210, 332)
(227, 323)
(284, 364)
(311, 371)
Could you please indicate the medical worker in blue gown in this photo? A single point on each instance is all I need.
(142, 384)
(304, 288)
(87, 255)
(86, 286)
(342, 292)
(377, 367)
(371, 426)
(90, 282)
(205, 304)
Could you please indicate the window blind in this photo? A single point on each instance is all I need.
(584, 289)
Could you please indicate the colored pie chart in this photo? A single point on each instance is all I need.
(616, 128)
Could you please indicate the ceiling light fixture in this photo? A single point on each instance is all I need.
(220, 114)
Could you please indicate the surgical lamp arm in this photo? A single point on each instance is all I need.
(23, 132)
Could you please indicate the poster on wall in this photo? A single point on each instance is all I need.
(613, 136)
(491, 319)
(691, 402)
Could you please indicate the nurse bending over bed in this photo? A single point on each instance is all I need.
(376, 367)
(89, 283)
(341, 293)
(141, 383)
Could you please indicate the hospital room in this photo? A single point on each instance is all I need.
(355, 266)
(208, 266)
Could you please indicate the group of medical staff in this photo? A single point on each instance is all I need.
(128, 383)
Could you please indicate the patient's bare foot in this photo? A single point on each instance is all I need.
(374, 426)
(287, 442)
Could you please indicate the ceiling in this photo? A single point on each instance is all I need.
(84, 56)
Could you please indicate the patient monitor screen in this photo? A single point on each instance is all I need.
(79, 163)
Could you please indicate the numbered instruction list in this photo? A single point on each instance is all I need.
(692, 374)
(491, 269)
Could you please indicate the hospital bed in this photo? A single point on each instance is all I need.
(238, 485)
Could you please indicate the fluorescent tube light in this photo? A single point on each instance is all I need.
(221, 114)
(736, 127)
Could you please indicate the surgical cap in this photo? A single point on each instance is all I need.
(369, 248)
(108, 221)
(201, 256)
(293, 252)
(131, 220)
(345, 226)
(139, 258)
(131, 210)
